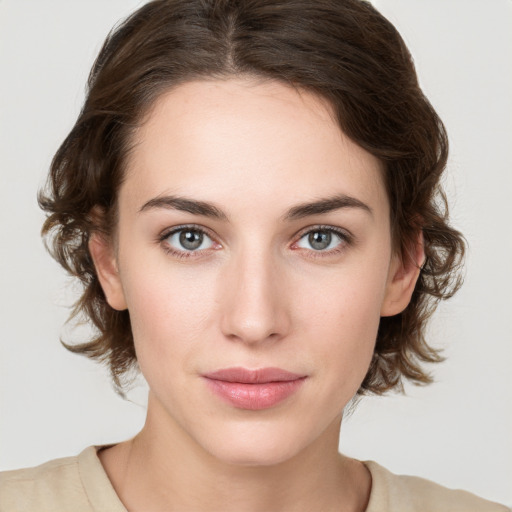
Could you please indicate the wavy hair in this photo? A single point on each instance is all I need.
(344, 51)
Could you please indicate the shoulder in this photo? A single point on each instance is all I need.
(71, 483)
(45, 487)
(400, 493)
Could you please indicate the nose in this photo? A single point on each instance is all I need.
(255, 307)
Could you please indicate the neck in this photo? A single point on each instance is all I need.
(163, 468)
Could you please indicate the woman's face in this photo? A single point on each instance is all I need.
(252, 234)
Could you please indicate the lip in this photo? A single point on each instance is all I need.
(254, 389)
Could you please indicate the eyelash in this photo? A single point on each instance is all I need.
(183, 254)
(344, 237)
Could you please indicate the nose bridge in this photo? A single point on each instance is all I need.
(255, 305)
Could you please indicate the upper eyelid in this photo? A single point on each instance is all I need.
(307, 229)
(175, 229)
(320, 227)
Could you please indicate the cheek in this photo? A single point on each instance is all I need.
(347, 301)
(169, 312)
(343, 321)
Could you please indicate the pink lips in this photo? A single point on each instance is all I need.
(254, 389)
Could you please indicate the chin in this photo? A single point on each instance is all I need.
(257, 445)
(255, 456)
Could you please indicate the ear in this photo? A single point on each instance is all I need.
(403, 273)
(103, 256)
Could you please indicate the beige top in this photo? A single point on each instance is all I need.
(80, 484)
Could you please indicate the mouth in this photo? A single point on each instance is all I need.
(254, 389)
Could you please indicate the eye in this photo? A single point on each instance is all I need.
(322, 239)
(188, 239)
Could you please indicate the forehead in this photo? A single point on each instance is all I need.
(220, 139)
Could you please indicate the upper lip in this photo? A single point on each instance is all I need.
(258, 376)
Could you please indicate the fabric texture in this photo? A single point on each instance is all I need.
(80, 484)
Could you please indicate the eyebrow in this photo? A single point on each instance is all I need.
(185, 205)
(329, 204)
(319, 207)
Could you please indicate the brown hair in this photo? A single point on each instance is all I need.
(341, 50)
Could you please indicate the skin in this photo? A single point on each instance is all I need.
(256, 294)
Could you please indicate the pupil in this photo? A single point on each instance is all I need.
(320, 239)
(191, 239)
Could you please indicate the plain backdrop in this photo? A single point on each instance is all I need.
(456, 431)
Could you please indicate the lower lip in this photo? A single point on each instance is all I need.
(254, 397)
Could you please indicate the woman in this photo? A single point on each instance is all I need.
(249, 197)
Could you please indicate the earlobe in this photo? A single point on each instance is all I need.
(103, 256)
(403, 275)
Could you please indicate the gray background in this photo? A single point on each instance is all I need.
(456, 432)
